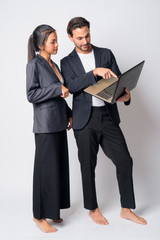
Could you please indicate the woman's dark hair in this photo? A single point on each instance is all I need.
(77, 22)
(38, 38)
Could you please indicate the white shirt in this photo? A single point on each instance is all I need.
(88, 61)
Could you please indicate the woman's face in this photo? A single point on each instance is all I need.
(51, 44)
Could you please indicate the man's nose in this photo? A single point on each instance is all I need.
(84, 41)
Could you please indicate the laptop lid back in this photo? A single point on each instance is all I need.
(128, 80)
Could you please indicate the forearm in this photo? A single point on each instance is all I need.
(76, 83)
(80, 83)
(44, 94)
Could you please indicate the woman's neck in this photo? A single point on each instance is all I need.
(46, 56)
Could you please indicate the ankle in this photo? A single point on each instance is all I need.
(38, 220)
(94, 210)
(125, 210)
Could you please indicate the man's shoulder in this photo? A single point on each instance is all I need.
(101, 49)
(66, 58)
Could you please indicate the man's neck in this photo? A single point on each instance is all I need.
(84, 52)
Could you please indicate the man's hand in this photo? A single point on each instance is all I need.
(69, 124)
(104, 73)
(125, 97)
(65, 91)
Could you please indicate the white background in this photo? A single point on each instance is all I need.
(131, 30)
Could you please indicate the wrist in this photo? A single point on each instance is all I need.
(95, 72)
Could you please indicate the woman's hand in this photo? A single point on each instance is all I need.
(65, 91)
(69, 124)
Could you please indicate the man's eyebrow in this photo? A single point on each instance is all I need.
(84, 36)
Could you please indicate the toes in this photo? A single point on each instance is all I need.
(45, 226)
(101, 221)
(143, 221)
(51, 230)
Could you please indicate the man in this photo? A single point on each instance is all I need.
(96, 122)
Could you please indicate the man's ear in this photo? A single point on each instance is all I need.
(70, 37)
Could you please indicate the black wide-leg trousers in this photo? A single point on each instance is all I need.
(100, 130)
(51, 175)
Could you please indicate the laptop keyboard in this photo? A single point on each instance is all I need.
(108, 92)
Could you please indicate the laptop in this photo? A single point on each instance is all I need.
(113, 88)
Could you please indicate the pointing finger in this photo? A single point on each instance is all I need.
(113, 74)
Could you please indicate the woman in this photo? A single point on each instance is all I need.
(51, 118)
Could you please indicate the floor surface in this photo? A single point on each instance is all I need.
(16, 223)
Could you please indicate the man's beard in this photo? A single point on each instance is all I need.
(84, 49)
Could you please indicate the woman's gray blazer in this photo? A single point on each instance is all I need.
(43, 90)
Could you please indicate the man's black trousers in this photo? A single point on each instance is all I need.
(100, 130)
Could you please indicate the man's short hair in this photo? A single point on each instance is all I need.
(77, 22)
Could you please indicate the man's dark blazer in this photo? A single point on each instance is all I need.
(76, 79)
(43, 90)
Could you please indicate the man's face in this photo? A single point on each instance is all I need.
(81, 38)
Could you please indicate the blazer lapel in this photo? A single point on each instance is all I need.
(78, 63)
(97, 56)
(79, 66)
(42, 60)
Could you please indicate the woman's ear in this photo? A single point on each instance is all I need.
(41, 48)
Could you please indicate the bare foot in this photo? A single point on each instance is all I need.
(44, 225)
(126, 213)
(58, 221)
(97, 217)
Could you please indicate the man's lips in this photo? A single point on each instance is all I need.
(85, 45)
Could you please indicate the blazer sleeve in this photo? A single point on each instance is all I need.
(73, 82)
(36, 94)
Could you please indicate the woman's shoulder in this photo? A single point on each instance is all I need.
(32, 62)
(35, 63)
(32, 66)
